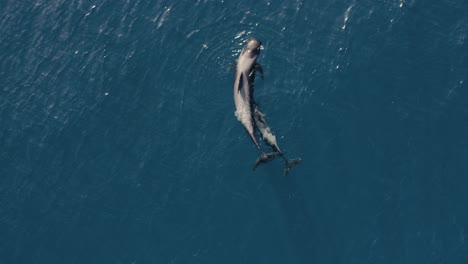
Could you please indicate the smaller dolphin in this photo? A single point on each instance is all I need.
(247, 112)
(270, 139)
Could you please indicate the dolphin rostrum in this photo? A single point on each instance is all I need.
(247, 111)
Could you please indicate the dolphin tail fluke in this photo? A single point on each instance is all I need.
(289, 163)
(266, 157)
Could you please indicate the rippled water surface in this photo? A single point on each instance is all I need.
(119, 142)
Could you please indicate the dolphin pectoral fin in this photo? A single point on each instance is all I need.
(259, 68)
(265, 157)
(289, 163)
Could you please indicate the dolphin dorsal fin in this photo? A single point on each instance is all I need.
(241, 82)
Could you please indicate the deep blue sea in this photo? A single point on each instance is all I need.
(119, 144)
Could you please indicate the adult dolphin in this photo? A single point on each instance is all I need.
(247, 112)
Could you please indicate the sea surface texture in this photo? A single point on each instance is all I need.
(119, 144)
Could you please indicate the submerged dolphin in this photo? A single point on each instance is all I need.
(247, 112)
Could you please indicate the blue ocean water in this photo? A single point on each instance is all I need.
(119, 142)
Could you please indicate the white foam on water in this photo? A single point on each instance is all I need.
(164, 16)
(346, 16)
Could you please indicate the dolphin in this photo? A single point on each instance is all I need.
(270, 139)
(247, 111)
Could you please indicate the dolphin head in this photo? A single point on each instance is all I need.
(252, 47)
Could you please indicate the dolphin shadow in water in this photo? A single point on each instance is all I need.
(304, 232)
